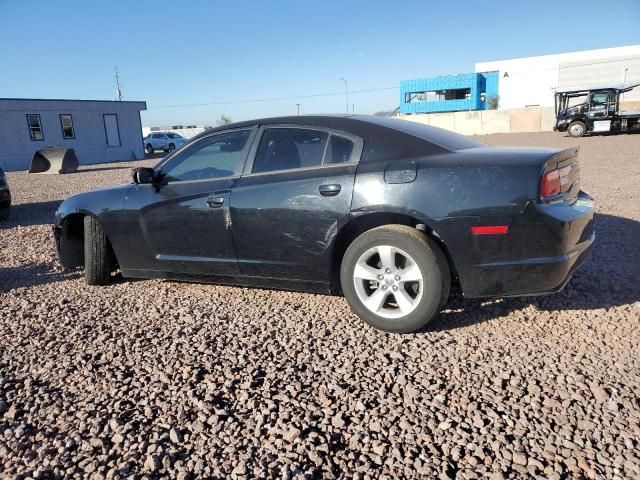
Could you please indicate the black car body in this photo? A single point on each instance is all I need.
(594, 109)
(5, 196)
(271, 215)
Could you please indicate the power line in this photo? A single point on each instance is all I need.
(272, 99)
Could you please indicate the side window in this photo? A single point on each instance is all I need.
(286, 148)
(216, 156)
(35, 127)
(339, 150)
(599, 98)
(66, 122)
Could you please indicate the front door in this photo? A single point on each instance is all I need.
(599, 104)
(292, 200)
(182, 224)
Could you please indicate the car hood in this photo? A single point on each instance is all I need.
(100, 202)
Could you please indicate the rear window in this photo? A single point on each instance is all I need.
(288, 148)
(339, 150)
(437, 136)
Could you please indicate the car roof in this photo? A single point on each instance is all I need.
(384, 137)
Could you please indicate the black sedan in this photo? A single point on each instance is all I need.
(5, 196)
(388, 212)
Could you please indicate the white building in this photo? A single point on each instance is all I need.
(531, 81)
(99, 131)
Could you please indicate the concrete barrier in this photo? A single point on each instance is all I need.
(495, 121)
(467, 123)
(442, 120)
(547, 119)
(525, 120)
(482, 122)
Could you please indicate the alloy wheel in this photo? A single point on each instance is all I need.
(388, 281)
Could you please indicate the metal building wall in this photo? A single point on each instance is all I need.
(90, 142)
(491, 80)
(613, 70)
(447, 82)
(531, 81)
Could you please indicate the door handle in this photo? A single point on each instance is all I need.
(215, 202)
(330, 190)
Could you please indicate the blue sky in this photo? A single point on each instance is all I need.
(184, 53)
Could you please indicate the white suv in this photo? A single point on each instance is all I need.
(166, 141)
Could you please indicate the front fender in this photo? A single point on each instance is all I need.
(106, 205)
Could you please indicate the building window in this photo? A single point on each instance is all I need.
(35, 127)
(66, 122)
(438, 95)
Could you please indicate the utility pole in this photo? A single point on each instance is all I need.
(346, 93)
(118, 90)
(298, 105)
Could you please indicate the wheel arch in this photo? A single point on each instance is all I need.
(363, 223)
(72, 239)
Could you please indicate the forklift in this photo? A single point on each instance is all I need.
(594, 110)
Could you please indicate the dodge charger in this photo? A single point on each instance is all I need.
(387, 212)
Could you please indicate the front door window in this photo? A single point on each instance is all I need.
(217, 156)
(599, 105)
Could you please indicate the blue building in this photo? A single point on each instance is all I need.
(448, 93)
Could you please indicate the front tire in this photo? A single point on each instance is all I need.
(577, 129)
(170, 148)
(395, 278)
(98, 261)
(149, 149)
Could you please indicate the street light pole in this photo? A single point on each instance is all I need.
(346, 93)
(298, 105)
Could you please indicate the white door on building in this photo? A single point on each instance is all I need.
(111, 130)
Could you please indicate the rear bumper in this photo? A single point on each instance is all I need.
(539, 254)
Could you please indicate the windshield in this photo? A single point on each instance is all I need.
(173, 135)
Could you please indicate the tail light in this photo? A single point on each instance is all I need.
(558, 181)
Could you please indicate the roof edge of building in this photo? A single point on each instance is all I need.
(70, 100)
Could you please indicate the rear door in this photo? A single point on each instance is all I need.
(292, 199)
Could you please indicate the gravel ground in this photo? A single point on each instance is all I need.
(165, 379)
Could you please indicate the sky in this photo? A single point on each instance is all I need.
(194, 61)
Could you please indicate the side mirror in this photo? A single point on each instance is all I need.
(143, 175)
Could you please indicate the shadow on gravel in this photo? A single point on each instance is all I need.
(609, 278)
(27, 214)
(31, 276)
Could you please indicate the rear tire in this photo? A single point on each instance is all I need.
(98, 261)
(415, 278)
(577, 129)
(149, 149)
(4, 213)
